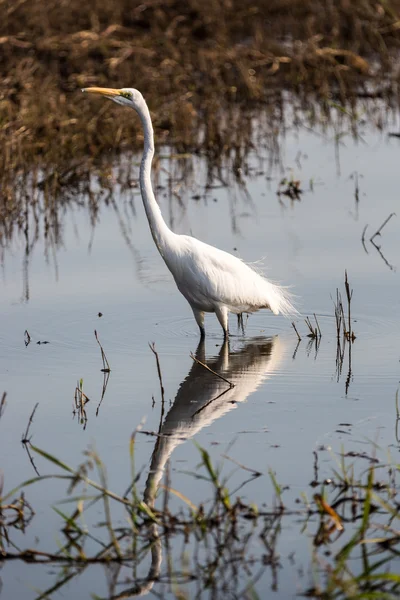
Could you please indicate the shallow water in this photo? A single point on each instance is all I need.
(288, 399)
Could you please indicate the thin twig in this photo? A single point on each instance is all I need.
(349, 373)
(387, 263)
(378, 232)
(25, 439)
(363, 238)
(207, 404)
(211, 371)
(106, 366)
(153, 349)
(253, 471)
(298, 335)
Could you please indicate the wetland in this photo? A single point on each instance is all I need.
(274, 471)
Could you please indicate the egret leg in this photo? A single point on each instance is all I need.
(199, 316)
(240, 322)
(222, 316)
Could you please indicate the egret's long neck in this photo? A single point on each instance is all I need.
(159, 229)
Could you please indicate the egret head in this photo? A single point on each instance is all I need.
(125, 96)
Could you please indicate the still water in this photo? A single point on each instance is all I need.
(289, 399)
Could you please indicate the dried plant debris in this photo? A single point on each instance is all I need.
(195, 61)
(290, 188)
(79, 404)
(27, 338)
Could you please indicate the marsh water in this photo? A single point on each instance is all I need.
(290, 399)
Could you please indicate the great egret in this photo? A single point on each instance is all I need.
(210, 279)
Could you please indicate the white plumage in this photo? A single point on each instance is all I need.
(210, 279)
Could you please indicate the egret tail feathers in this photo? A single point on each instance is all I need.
(280, 300)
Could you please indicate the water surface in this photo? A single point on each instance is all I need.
(288, 399)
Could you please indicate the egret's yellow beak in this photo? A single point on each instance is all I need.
(110, 92)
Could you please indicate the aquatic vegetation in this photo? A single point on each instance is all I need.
(351, 523)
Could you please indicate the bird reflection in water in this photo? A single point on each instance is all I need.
(201, 399)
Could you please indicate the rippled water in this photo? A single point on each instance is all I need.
(288, 399)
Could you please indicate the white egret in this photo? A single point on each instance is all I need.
(210, 279)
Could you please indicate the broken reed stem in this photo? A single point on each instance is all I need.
(80, 402)
(313, 332)
(211, 371)
(356, 188)
(153, 349)
(25, 439)
(363, 238)
(316, 320)
(378, 232)
(349, 296)
(338, 316)
(27, 338)
(106, 366)
(79, 396)
(297, 333)
(342, 316)
(3, 404)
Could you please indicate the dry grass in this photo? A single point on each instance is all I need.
(190, 58)
(201, 64)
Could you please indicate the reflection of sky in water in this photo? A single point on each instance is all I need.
(296, 408)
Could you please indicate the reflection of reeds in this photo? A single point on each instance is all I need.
(375, 245)
(317, 47)
(154, 351)
(344, 332)
(220, 529)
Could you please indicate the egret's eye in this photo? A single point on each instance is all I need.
(127, 95)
